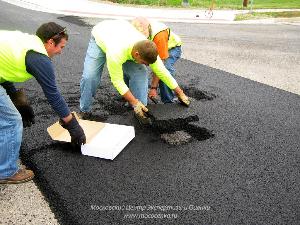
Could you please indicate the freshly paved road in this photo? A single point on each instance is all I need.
(248, 173)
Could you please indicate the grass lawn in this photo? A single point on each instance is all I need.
(265, 15)
(218, 4)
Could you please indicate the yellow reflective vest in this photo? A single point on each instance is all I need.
(13, 48)
(156, 27)
(116, 38)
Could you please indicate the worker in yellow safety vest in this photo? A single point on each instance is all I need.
(24, 56)
(127, 53)
(169, 49)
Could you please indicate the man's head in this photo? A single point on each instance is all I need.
(53, 36)
(142, 25)
(144, 52)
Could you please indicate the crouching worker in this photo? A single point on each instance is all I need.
(127, 53)
(23, 56)
(169, 50)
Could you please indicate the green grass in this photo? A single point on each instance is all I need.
(219, 4)
(276, 4)
(265, 15)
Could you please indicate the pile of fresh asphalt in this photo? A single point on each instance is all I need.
(238, 165)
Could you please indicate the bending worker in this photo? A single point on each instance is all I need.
(127, 53)
(23, 56)
(169, 50)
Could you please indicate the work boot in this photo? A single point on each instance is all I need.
(21, 176)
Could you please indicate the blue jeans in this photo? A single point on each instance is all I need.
(166, 94)
(11, 130)
(135, 76)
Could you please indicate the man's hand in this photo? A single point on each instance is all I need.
(152, 93)
(184, 100)
(140, 112)
(76, 132)
(20, 101)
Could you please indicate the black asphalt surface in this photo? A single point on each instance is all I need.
(245, 170)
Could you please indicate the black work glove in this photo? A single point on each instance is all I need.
(76, 132)
(20, 101)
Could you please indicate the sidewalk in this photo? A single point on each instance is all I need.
(105, 9)
(87, 8)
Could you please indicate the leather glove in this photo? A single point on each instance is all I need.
(20, 101)
(76, 132)
(140, 112)
(184, 100)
